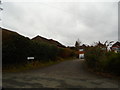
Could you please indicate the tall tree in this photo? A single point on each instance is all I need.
(77, 44)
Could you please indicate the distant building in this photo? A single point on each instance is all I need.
(82, 51)
(103, 47)
(116, 47)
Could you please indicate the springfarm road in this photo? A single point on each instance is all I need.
(67, 74)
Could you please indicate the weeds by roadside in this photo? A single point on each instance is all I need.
(31, 65)
(105, 62)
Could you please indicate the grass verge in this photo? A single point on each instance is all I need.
(31, 65)
(103, 74)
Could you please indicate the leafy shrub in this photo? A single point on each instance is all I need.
(17, 48)
(92, 56)
(113, 62)
(44, 51)
(103, 61)
(66, 53)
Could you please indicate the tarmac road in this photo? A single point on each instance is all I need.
(67, 74)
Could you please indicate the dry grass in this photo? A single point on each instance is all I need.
(104, 74)
(30, 65)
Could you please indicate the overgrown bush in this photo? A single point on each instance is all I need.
(44, 51)
(103, 61)
(17, 48)
(113, 62)
(66, 52)
(92, 56)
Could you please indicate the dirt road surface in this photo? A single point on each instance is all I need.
(67, 74)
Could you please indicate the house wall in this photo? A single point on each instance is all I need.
(81, 53)
(81, 56)
(116, 49)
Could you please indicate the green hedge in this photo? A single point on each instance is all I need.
(18, 48)
(103, 61)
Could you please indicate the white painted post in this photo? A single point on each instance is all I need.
(30, 58)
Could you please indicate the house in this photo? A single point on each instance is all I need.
(82, 51)
(115, 47)
(103, 47)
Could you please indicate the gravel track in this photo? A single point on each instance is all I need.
(67, 74)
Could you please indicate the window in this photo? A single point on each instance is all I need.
(80, 49)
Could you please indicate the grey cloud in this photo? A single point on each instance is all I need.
(65, 22)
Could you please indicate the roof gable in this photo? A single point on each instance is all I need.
(116, 44)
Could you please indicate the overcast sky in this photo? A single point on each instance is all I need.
(63, 21)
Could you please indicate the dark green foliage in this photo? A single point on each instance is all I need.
(92, 56)
(103, 61)
(47, 41)
(66, 52)
(16, 49)
(44, 51)
(113, 62)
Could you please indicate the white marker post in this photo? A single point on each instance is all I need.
(30, 58)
